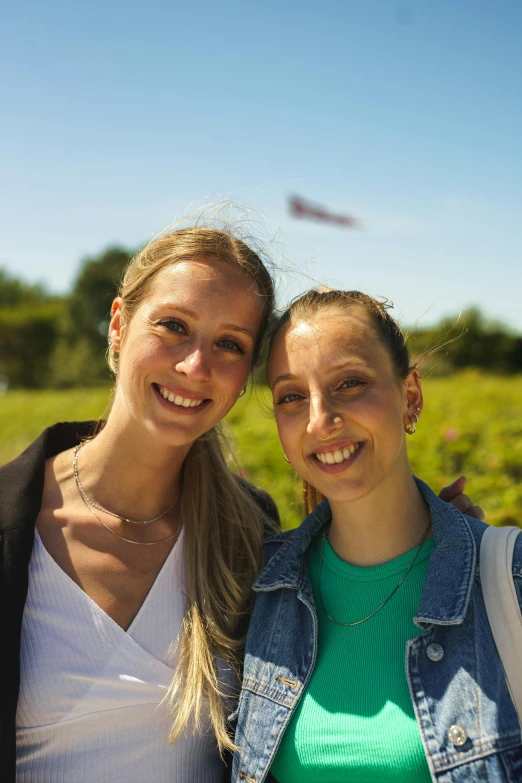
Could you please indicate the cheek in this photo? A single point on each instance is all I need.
(289, 432)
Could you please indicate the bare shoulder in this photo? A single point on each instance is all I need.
(60, 510)
(57, 498)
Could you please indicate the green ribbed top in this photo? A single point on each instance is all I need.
(355, 722)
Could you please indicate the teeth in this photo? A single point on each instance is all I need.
(184, 402)
(337, 456)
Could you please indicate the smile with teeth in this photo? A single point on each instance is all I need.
(337, 456)
(183, 402)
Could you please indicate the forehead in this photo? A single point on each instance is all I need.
(326, 338)
(208, 280)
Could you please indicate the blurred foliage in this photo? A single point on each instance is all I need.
(28, 335)
(471, 340)
(51, 341)
(14, 291)
(471, 424)
(79, 355)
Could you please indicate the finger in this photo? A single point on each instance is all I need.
(462, 503)
(477, 512)
(454, 489)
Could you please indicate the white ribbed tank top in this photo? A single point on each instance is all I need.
(89, 708)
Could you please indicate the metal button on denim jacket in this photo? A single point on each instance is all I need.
(468, 723)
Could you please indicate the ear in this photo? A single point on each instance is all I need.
(413, 400)
(116, 326)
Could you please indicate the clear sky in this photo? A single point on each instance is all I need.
(117, 116)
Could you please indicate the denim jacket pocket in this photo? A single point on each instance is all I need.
(276, 685)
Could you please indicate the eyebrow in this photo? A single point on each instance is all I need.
(193, 314)
(333, 368)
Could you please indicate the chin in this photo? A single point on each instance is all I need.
(350, 492)
(174, 434)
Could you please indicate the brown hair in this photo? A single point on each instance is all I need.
(224, 527)
(387, 330)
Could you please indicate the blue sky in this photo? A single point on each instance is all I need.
(118, 116)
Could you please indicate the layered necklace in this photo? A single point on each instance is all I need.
(399, 583)
(91, 505)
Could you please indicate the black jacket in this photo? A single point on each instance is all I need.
(21, 490)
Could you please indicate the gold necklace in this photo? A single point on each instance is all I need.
(128, 540)
(363, 620)
(92, 503)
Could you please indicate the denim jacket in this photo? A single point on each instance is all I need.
(468, 723)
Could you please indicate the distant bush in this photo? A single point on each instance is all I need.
(468, 341)
(79, 355)
(14, 291)
(28, 335)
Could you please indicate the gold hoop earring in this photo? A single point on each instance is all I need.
(286, 458)
(243, 390)
(411, 428)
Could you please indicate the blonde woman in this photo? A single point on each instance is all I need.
(117, 545)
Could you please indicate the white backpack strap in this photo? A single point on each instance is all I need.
(505, 619)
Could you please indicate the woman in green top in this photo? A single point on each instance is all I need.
(360, 727)
(369, 658)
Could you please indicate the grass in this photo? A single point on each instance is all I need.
(471, 424)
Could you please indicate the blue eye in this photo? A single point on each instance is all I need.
(173, 326)
(290, 397)
(231, 345)
(350, 383)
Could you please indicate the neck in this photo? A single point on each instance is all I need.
(384, 524)
(129, 473)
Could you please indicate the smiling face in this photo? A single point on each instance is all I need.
(186, 353)
(340, 407)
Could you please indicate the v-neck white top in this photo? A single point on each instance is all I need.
(89, 709)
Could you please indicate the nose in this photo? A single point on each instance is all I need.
(323, 419)
(196, 364)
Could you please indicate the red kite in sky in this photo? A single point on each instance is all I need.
(303, 209)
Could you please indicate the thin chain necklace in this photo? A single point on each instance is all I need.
(128, 540)
(90, 502)
(363, 620)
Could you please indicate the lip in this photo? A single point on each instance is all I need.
(179, 409)
(336, 446)
(337, 467)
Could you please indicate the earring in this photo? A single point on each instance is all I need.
(243, 390)
(286, 458)
(411, 428)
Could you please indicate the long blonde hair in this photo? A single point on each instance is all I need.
(224, 526)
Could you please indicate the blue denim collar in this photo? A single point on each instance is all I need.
(449, 579)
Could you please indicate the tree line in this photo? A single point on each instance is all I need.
(60, 341)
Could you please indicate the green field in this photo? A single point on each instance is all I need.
(471, 424)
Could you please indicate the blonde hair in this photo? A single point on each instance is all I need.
(386, 328)
(224, 526)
